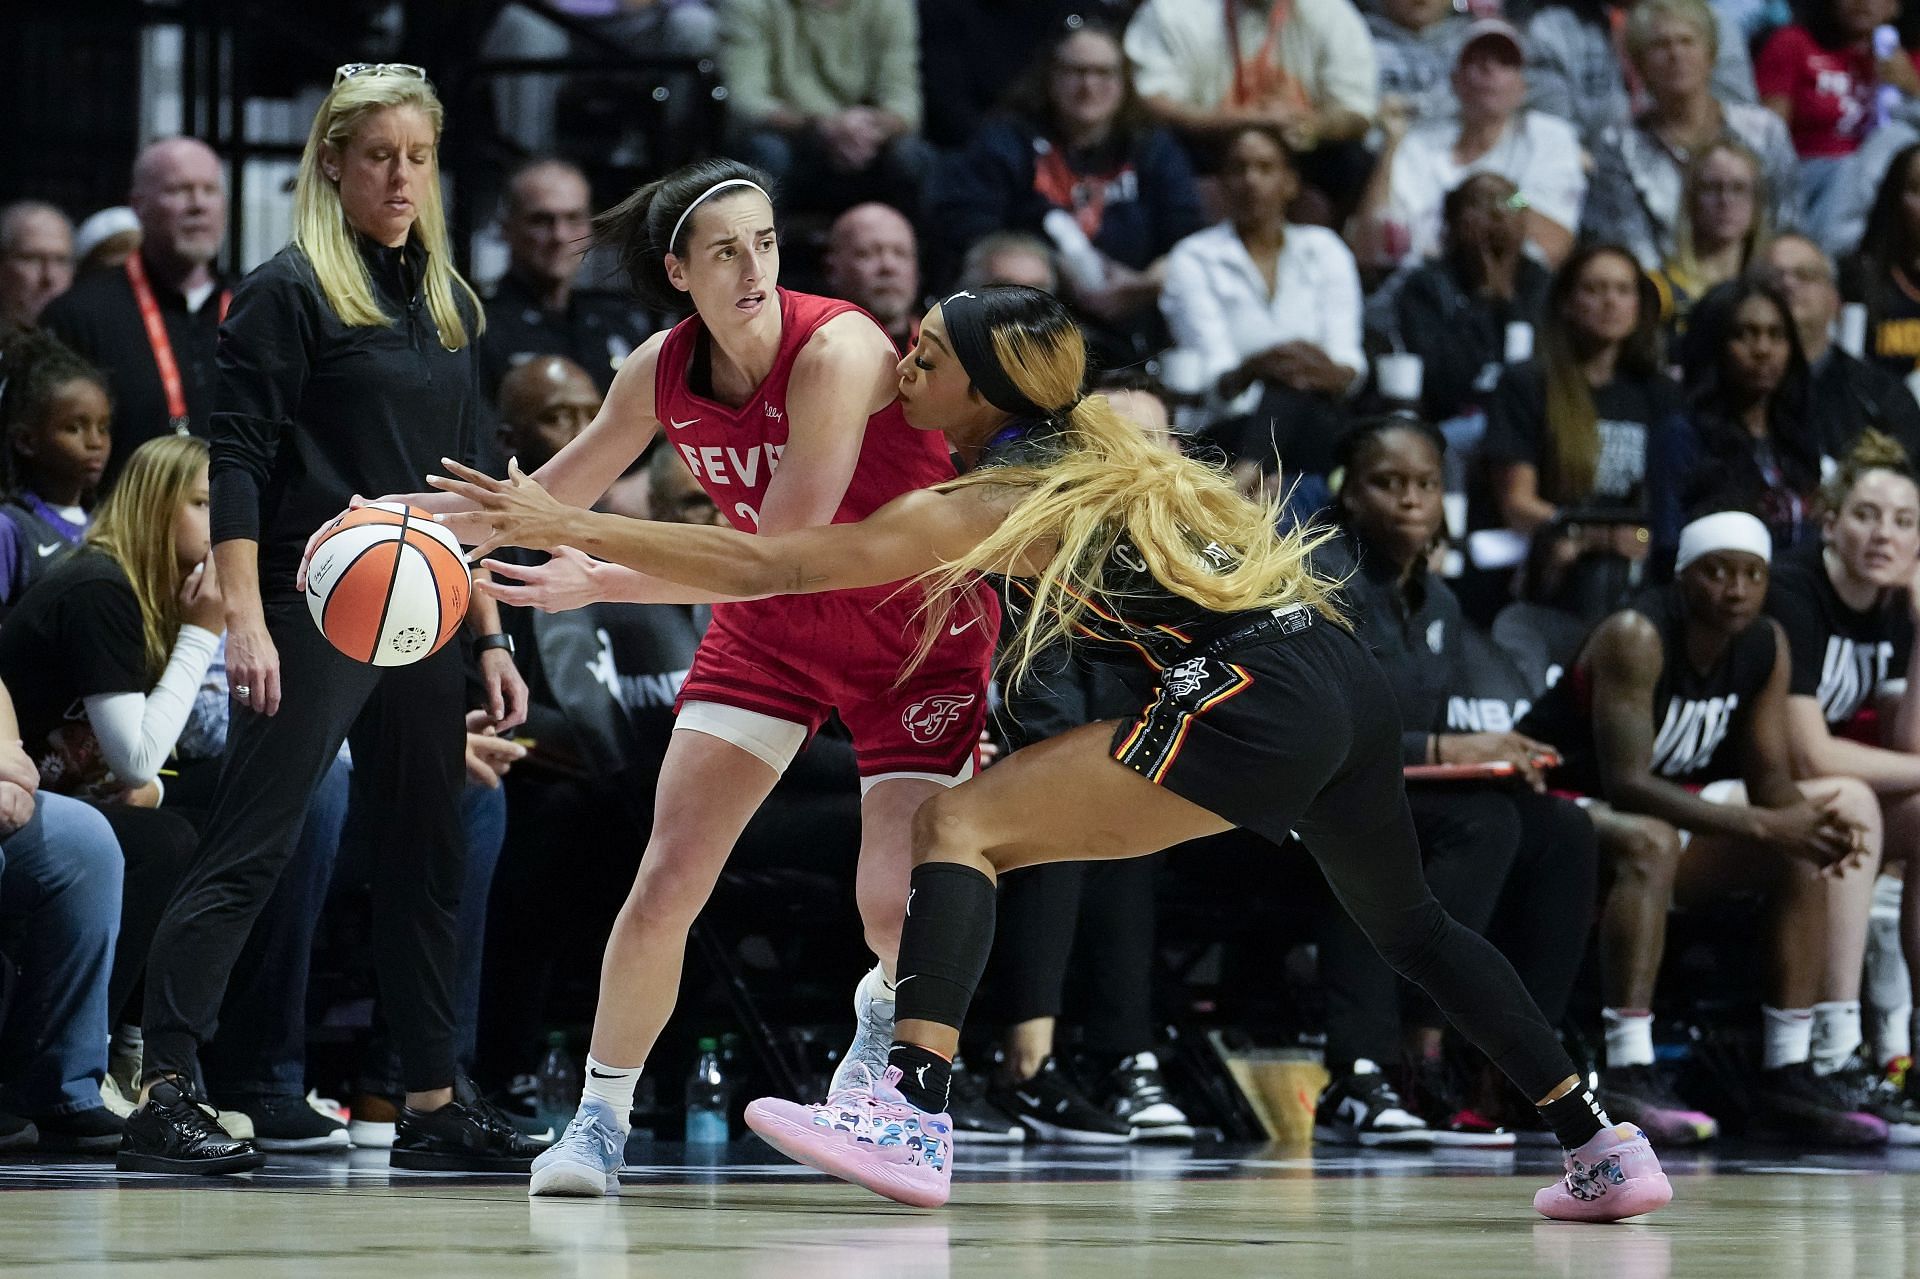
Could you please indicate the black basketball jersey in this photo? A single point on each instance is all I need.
(1841, 656)
(1131, 615)
(1701, 718)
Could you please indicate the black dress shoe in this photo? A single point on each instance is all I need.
(175, 1132)
(462, 1136)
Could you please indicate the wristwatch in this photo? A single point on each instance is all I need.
(488, 642)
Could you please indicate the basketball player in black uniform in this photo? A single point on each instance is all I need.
(1671, 724)
(1261, 709)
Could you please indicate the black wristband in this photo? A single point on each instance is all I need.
(500, 640)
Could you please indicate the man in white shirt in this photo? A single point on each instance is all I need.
(1540, 154)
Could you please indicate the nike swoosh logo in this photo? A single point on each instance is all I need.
(48, 548)
(955, 630)
(1029, 1098)
(678, 426)
(601, 1074)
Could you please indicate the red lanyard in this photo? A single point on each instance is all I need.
(176, 390)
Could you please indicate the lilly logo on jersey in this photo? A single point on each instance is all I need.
(929, 719)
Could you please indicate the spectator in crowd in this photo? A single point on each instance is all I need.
(535, 308)
(1304, 67)
(1820, 76)
(1672, 722)
(1494, 133)
(106, 239)
(1851, 394)
(60, 884)
(1458, 312)
(1508, 861)
(1271, 311)
(36, 261)
(123, 629)
(1570, 432)
(1853, 709)
(1542, 628)
(1010, 257)
(57, 427)
(1578, 70)
(1077, 147)
(1640, 168)
(1749, 445)
(1415, 43)
(1884, 274)
(873, 260)
(825, 96)
(544, 403)
(1721, 227)
(151, 325)
(969, 52)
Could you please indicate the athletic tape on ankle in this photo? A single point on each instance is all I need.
(944, 944)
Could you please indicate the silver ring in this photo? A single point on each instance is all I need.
(241, 690)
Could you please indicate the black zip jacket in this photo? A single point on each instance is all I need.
(309, 411)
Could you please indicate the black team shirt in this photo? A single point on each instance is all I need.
(1842, 656)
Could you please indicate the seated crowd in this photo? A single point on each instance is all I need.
(1589, 333)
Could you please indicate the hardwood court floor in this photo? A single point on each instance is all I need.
(1038, 1213)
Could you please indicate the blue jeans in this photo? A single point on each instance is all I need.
(60, 878)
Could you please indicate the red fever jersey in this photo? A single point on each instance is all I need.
(798, 657)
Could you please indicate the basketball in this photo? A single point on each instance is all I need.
(387, 585)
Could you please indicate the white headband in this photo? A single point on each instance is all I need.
(706, 195)
(1723, 531)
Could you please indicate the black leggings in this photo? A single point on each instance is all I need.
(1509, 864)
(1099, 913)
(405, 724)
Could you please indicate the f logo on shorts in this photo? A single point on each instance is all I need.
(928, 719)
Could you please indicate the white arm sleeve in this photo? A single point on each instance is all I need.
(137, 731)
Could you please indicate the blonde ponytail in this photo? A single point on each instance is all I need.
(1200, 538)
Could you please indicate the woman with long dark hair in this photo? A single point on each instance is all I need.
(1076, 140)
(347, 359)
(1122, 546)
(1570, 432)
(1884, 274)
(1748, 445)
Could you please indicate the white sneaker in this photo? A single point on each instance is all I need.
(872, 1036)
(585, 1162)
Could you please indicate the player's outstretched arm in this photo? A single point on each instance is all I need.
(910, 535)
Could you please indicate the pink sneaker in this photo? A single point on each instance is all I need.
(1612, 1177)
(871, 1138)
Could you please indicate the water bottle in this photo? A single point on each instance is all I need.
(556, 1088)
(708, 1092)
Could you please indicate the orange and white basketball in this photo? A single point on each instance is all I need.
(387, 585)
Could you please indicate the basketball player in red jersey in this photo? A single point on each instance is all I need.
(783, 407)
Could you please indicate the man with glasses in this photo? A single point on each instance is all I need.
(535, 309)
(1850, 394)
(36, 260)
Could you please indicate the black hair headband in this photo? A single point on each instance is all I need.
(972, 338)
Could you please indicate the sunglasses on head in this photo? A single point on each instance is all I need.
(344, 73)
